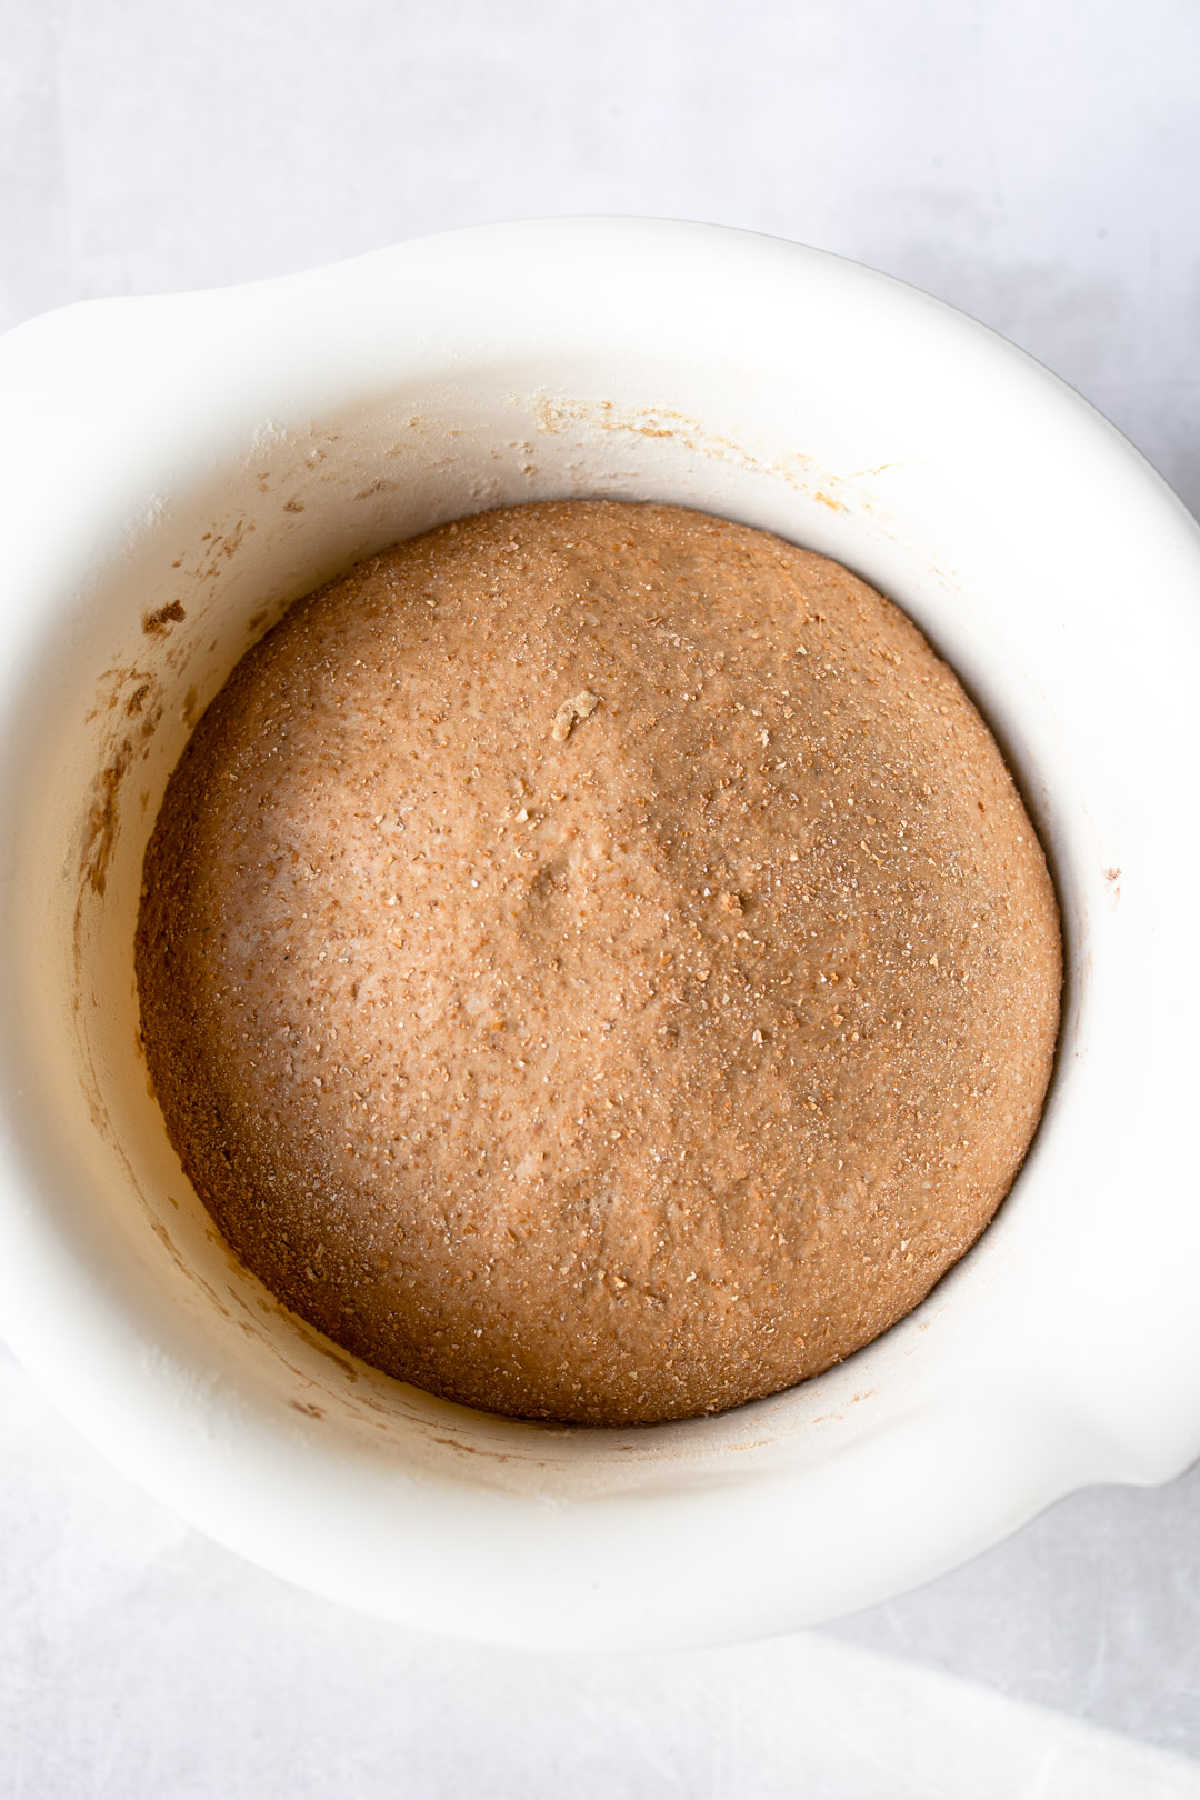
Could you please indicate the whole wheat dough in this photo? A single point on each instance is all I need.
(595, 963)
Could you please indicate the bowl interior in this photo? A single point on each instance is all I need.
(165, 621)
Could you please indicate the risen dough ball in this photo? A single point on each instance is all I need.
(595, 963)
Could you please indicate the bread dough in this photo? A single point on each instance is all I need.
(595, 963)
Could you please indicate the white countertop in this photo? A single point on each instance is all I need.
(1035, 164)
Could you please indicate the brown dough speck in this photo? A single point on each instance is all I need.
(156, 623)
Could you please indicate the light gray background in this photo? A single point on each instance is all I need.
(1037, 163)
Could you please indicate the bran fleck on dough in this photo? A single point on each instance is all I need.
(595, 964)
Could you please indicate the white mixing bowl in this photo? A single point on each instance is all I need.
(173, 472)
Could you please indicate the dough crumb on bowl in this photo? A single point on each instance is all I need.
(595, 963)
